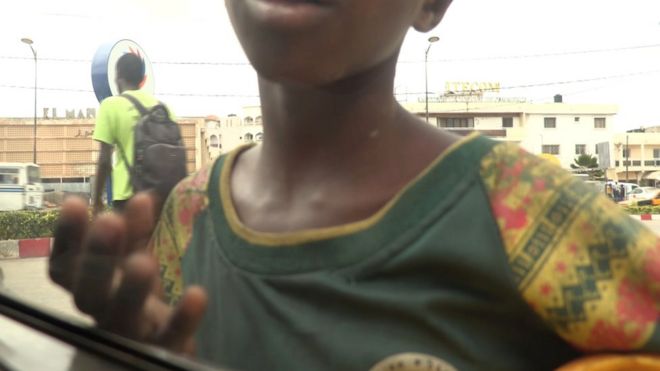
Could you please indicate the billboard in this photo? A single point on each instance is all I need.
(603, 150)
(104, 68)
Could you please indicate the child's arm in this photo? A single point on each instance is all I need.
(583, 265)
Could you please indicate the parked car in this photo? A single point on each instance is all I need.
(641, 194)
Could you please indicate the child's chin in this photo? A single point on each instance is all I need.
(298, 74)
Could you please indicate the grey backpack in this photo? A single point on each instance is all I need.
(160, 154)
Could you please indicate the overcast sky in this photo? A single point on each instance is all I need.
(514, 42)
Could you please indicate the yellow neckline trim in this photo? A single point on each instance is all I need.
(310, 235)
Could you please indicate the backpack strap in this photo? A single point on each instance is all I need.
(143, 111)
(125, 159)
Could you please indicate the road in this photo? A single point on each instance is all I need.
(28, 279)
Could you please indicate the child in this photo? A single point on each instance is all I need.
(358, 237)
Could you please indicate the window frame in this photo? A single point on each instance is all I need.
(547, 120)
(108, 348)
(547, 149)
(456, 122)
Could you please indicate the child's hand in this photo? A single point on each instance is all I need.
(114, 279)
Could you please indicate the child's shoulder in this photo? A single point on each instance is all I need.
(524, 189)
(190, 196)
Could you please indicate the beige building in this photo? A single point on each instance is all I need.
(642, 160)
(66, 151)
(223, 134)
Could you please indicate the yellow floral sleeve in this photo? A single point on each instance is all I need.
(585, 266)
(174, 230)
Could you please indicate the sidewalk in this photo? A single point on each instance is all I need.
(21, 249)
(646, 217)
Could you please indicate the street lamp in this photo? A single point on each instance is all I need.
(30, 43)
(432, 40)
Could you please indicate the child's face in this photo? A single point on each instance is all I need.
(318, 42)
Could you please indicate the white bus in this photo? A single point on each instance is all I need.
(20, 186)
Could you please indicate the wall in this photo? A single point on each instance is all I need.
(528, 123)
(65, 148)
(647, 162)
(567, 134)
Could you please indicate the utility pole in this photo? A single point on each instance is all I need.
(432, 40)
(30, 43)
(627, 158)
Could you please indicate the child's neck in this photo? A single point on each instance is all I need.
(331, 156)
(307, 125)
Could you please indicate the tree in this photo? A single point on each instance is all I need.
(587, 164)
(585, 161)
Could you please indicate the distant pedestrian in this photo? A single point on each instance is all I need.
(623, 192)
(114, 131)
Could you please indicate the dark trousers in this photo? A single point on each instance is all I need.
(119, 205)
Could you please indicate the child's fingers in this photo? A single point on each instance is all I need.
(99, 259)
(140, 217)
(125, 311)
(69, 234)
(184, 321)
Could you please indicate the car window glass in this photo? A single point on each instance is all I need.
(573, 82)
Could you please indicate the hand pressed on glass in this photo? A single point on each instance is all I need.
(107, 267)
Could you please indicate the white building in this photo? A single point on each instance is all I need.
(223, 134)
(561, 129)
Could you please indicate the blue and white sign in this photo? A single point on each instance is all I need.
(104, 68)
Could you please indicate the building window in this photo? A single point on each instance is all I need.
(596, 152)
(577, 119)
(248, 120)
(507, 122)
(551, 149)
(626, 153)
(215, 142)
(259, 137)
(550, 122)
(580, 149)
(456, 122)
(656, 153)
(599, 123)
(649, 163)
(248, 138)
(636, 163)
